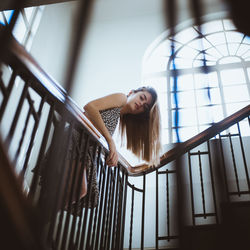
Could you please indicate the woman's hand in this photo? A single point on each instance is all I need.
(112, 158)
(92, 111)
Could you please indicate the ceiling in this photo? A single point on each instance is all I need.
(9, 4)
(118, 9)
(127, 6)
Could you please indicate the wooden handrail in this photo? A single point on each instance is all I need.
(196, 140)
(28, 64)
(18, 56)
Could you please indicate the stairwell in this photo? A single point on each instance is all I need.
(201, 185)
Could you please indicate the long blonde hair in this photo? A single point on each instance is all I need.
(142, 131)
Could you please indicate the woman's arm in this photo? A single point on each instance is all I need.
(92, 110)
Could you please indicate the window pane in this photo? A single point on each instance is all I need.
(244, 128)
(177, 45)
(29, 43)
(198, 63)
(214, 53)
(182, 63)
(246, 55)
(217, 113)
(234, 107)
(165, 136)
(37, 20)
(229, 59)
(213, 26)
(202, 97)
(164, 118)
(234, 37)
(198, 43)
(243, 49)
(186, 133)
(233, 129)
(223, 49)
(185, 82)
(236, 93)
(246, 40)
(185, 99)
(28, 12)
(211, 60)
(8, 14)
(187, 117)
(215, 96)
(203, 80)
(163, 49)
(205, 115)
(232, 76)
(233, 48)
(186, 35)
(217, 38)
(187, 53)
(175, 123)
(2, 19)
(163, 109)
(248, 71)
(204, 127)
(19, 29)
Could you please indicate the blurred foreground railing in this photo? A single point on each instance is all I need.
(39, 124)
(49, 143)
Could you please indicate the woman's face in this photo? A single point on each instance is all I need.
(139, 102)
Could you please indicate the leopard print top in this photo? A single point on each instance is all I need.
(110, 118)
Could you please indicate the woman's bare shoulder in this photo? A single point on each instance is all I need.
(119, 97)
(115, 100)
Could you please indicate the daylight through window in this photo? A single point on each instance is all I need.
(202, 98)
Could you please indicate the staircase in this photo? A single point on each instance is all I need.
(201, 191)
(231, 233)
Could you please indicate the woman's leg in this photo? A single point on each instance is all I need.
(75, 179)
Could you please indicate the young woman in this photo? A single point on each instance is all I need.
(139, 122)
(139, 117)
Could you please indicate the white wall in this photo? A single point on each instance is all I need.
(111, 60)
(51, 42)
(118, 35)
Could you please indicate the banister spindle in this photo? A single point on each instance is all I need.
(16, 116)
(234, 163)
(6, 92)
(115, 223)
(105, 208)
(101, 205)
(36, 116)
(244, 157)
(40, 159)
(202, 185)
(131, 218)
(125, 187)
(143, 211)
(167, 206)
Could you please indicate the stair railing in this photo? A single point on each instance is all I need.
(38, 123)
(40, 106)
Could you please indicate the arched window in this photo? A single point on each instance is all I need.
(203, 98)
